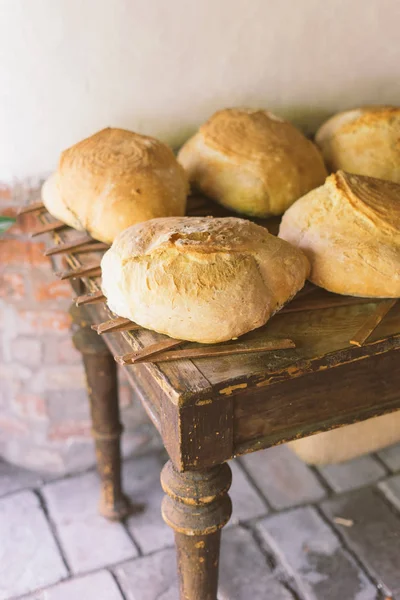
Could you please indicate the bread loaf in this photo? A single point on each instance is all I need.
(365, 141)
(351, 441)
(52, 200)
(252, 162)
(114, 179)
(349, 228)
(200, 279)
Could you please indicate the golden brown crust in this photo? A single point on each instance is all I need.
(252, 161)
(199, 278)
(116, 178)
(365, 141)
(349, 228)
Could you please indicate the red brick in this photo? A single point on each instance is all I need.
(32, 322)
(70, 429)
(30, 405)
(18, 252)
(51, 291)
(12, 286)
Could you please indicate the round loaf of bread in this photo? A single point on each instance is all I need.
(252, 162)
(365, 141)
(200, 279)
(349, 228)
(114, 179)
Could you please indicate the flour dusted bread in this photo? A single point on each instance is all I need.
(252, 162)
(200, 279)
(365, 141)
(351, 441)
(349, 228)
(114, 179)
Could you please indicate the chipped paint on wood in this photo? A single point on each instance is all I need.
(229, 390)
(203, 402)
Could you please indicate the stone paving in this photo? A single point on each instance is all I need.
(297, 533)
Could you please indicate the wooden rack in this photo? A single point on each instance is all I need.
(309, 299)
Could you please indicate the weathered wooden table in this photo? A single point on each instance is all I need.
(209, 410)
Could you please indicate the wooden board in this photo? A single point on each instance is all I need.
(315, 333)
(325, 399)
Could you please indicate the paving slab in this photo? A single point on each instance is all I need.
(283, 478)
(353, 473)
(14, 478)
(142, 485)
(96, 586)
(374, 534)
(391, 457)
(149, 578)
(246, 501)
(391, 488)
(244, 573)
(312, 555)
(89, 541)
(29, 556)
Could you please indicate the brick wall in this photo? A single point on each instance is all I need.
(44, 415)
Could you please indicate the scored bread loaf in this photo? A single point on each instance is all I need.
(365, 141)
(349, 229)
(252, 161)
(199, 278)
(114, 179)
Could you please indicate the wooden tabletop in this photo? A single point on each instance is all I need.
(241, 403)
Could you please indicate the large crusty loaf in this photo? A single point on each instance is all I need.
(351, 441)
(115, 179)
(200, 279)
(365, 141)
(252, 162)
(349, 228)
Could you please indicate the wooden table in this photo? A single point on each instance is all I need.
(209, 410)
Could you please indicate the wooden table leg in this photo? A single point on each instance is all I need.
(197, 506)
(102, 386)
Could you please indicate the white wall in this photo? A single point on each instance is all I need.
(71, 67)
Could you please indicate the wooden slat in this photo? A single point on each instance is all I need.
(372, 322)
(150, 351)
(49, 227)
(221, 350)
(90, 298)
(91, 247)
(84, 271)
(68, 246)
(32, 207)
(117, 324)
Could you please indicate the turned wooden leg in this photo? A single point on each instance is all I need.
(102, 386)
(197, 506)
